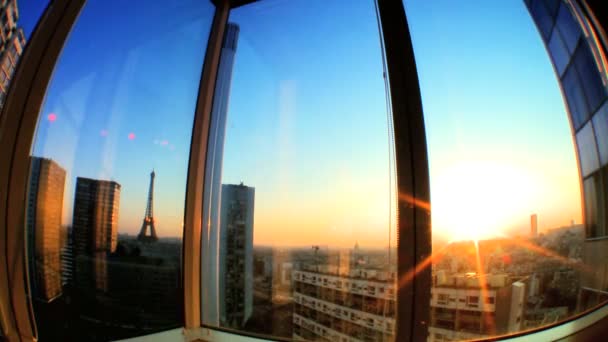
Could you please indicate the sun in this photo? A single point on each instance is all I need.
(480, 199)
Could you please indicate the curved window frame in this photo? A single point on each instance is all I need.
(25, 99)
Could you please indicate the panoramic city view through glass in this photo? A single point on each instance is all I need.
(108, 171)
(299, 217)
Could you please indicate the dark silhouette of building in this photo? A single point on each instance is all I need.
(94, 231)
(149, 217)
(45, 206)
(236, 254)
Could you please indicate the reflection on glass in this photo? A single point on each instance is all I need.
(505, 189)
(108, 171)
(299, 237)
(12, 40)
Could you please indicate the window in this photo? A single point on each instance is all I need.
(593, 201)
(590, 77)
(587, 150)
(568, 27)
(543, 17)
(504, 179)
(300, 143)
(108, 171)
(559, 53)
(575, 96)
(600, 125)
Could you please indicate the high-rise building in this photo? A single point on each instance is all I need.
(533, 225)
(577, 45)
(94, 231)
(333, 304)
(236, 254)
(12, 42)
(467, 306)
(45, 206)
(213, 175)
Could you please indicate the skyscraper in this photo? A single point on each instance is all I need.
(94, 231)
(45, 206)
(534, 225)
(213, 174)
(12, 42)
(236, 254)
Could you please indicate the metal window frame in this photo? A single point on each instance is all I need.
(17, 125)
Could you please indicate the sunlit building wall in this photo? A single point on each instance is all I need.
(466, 306)
(94, 231)
(12, 42)
(236, 254)
(576, 44)
(332, 305)
(45, 206)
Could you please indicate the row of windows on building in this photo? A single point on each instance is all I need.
(12, 42)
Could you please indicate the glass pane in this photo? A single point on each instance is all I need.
(505, 190)
(17, 21)
(558, 52)
(593, 191)
(575, 95)
(543, 17)
(108, 171)
(587, 150)
(600, 125)
(301, 240)
(590, 76)
(568, 27)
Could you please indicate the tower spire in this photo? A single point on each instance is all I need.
(149, 216)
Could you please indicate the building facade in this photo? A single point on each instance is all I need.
(335, 305)
(466, 306)
(94, 231)
(236, 254)
(577, 45)
(45, 207)
(12, 42)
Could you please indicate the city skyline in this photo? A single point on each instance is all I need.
(550, 184)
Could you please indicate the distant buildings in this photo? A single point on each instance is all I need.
(576, 43)
(12, 42)
(467, 306)
(534, 225)
(236, 255)
(346, 305)
(44, 210)
(94, 231)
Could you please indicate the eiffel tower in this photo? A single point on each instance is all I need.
(149, 218)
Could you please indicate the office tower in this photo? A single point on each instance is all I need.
(577, 43)
(12, 42)
(467, 306)
(534, 225)
(45, 206)
(236, 254)
(149, 216)
(213, 175)
(353, 305)
(94, 231)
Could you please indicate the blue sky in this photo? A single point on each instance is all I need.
(307, 123)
